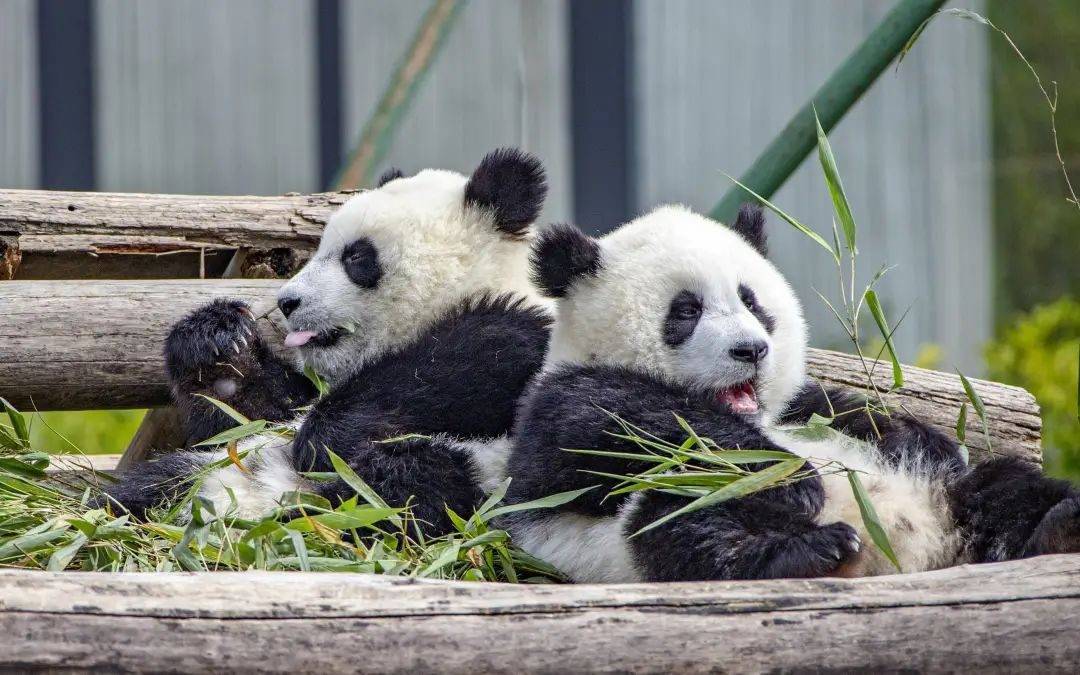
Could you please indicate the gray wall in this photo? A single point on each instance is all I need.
(18, 95)
(203, 96)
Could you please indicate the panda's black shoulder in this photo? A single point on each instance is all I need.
(494, 310)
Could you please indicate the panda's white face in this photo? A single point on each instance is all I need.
(391, 262)
(682, 296)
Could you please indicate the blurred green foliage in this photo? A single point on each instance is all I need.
(1036, 232)
(1041, 353)
(94, 432)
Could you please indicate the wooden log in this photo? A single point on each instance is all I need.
(132, 222)
(98, 345)
(1005, 617)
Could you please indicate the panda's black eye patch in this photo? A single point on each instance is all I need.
(361, 262)
(682, 317)
(746, 295)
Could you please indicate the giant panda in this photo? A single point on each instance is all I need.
(418, 311)
(674, 313)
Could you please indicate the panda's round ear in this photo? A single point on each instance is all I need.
(750, 224)
(393, 173)
(561, 255)
(512, 185)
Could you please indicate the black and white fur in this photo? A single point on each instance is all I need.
(418, 310)
(674, 313)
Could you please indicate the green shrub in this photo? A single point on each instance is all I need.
(1039, 352)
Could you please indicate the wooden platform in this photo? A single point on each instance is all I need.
(1007, 617)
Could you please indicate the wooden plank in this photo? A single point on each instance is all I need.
(98, 345)
(989, 618)
(106, 219)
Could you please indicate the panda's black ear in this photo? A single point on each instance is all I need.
(562, 254)
(750, 223)
(512, 184)
(393, 173)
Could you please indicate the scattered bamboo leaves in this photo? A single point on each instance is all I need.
(46, 523)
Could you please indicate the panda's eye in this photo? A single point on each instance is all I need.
(360, 260)
(682, 318)
(748, 298)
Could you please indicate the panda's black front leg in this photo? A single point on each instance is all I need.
(216, 351)
(430, 475)
(748, 538)
(901, 439)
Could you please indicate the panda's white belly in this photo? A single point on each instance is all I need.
(910, 505)
(254, 490)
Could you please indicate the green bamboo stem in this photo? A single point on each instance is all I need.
(847, 84)
(399, 94)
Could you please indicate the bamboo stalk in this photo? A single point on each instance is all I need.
(844, 87)
(398, 96)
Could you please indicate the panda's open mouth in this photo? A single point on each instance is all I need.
(741, 398)
(310, 338)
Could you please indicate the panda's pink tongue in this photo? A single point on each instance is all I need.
(299, 337)
(741, 398)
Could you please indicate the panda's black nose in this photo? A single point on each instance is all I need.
(749, 352)
(287, 305)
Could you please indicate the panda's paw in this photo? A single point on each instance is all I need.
(1059, 529)
(825, 550)
(219, 339)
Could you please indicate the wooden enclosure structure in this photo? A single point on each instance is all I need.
(86, 339)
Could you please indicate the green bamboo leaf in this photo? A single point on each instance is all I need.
(759, 480)
(358, 485)
(836, 186)
(32, 541)
(870, 519)
(886, 334)
(548, 502)
(236, 433)
(18, 422)
(320, 384)
(300, 547)
(447, 557)
(977, 402)
(961, 424)
(226, 408)
(791, 221)
(63, 556)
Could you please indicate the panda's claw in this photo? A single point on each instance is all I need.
(243, 341)
(244, 310)
(236, 347)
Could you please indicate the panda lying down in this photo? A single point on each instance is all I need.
(418, 311)
(674, 313)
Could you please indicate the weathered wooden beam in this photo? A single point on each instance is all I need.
(98, 345)
(1005, 617)
(151, 223)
